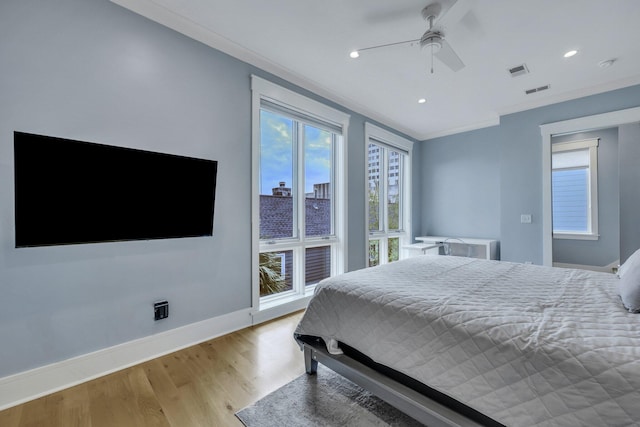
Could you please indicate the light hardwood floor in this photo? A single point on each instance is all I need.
(203, 385)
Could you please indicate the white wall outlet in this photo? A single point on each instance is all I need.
(525, 219)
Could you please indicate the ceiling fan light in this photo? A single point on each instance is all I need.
(432, 41)
(354, 54)
(433, 44)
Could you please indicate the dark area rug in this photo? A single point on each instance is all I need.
(325, 399)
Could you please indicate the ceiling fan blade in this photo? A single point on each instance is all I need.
(448, 57)
(471, 23)
(393, 13)
(390, 15)
(465, 20)
(446, 5)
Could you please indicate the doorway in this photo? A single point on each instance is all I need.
(582, 124)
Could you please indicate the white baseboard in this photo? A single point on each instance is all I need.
(267, 312)
(28, 385)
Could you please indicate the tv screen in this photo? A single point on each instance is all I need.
(71, 192)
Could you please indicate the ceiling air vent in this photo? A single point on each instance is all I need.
(518, 70)
(537, 89)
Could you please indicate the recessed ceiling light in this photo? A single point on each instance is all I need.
(421, 101)
(354, 54)
(570, 53)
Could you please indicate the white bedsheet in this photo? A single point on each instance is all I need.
(526, 345)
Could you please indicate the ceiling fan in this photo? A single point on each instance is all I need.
(433, 39)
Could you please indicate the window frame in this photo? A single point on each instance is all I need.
(388, 140)
(592, 210)
(265, 308)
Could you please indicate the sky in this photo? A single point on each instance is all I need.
(277, 151)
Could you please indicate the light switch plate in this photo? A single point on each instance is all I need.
(525, 219)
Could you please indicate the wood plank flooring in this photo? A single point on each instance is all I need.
(203, 385)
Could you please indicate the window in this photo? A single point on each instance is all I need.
(299, 194)
(388, 195)
(574, 188)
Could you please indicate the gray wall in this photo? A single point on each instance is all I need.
(606, 249)
(461, 185)
(90, 70)
(516, 142)
(629, 156)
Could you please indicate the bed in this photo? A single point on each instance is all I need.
(462, 341)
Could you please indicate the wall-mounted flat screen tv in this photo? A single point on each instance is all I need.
(72, 192)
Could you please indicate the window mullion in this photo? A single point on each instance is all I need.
(299, 283)
(593, 189)
(332, 188)
(295, 185)
(298, 269)
(400, 178)
(300, 183)
(384, 196)
(384, 249)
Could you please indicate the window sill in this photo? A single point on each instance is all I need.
(576, 236)
(278, 306)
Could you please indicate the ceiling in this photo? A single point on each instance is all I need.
(308, 43)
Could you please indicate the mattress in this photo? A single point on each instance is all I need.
(526, 345)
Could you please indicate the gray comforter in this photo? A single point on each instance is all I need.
(526, 345)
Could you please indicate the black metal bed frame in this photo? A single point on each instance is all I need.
(411, 397)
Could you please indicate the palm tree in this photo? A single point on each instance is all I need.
(271, 281)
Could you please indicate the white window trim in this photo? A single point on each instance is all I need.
(376, 132)
(592, 146)
(593, 122)
(264, 89)
(373, 132)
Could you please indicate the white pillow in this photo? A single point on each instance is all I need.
(633, 260)
(629, 288)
